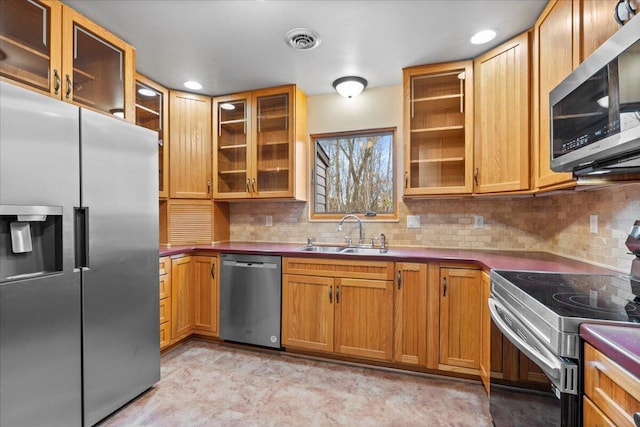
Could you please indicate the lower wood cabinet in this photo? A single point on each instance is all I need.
(485, 327)
(206, 295)
(460, 314)
(338, 306)
(612, 394)
(410, 320)
(182, 298)
(165, 301)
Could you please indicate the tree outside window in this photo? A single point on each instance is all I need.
(354, 173)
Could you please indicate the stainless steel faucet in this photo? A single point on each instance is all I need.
(361, 240)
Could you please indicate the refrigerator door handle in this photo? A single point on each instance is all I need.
(81, 238)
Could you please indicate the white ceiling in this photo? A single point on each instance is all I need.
(232, 46)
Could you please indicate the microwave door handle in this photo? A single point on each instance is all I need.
(550, 366)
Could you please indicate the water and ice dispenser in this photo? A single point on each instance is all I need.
(30, 241)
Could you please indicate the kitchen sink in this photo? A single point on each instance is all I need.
(344, 250)
(365, 251)
(324, 249)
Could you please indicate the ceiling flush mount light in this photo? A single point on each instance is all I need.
(146, 92)
(302, 39)
(350, 86)
(192, 85)
(483, 36)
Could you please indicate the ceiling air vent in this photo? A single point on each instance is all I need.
(302, 39)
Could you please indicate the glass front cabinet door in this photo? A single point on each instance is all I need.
(98, 67)
(232, 154)
(30, 43)
(50, 48)
(439, 121)
(152, 106)
(260, 145)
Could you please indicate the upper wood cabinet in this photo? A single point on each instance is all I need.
(565, 34)
(438, 123)
(190, 148)
(502, 150)
(152, 107)
(49, 47)
(260, 144)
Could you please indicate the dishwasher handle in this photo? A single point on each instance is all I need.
(250, 264)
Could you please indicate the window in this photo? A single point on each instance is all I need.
(354, 173)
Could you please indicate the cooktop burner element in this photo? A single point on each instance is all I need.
(588, 296)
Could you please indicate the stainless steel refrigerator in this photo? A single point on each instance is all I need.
(79, 309)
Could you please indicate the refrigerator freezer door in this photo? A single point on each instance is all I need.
(40, 347)
(121, 337)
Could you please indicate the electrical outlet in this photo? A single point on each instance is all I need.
(593, 224)
(269, 221)
(413, 221)
(478, 221)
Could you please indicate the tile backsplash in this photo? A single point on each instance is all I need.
(557, 223)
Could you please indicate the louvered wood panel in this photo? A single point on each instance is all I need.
(190, 222)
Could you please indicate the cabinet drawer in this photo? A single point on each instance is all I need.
(165, 286)
(378, 270)
(610, 387)
(165, 265)
(165, 310)
(593, 416)
(165, 330)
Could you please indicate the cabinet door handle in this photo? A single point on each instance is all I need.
(56, 82)
(330, 294)
(69, 86)
(399, 279)
(444, 286)
(213, 271)
(406, 179)
(253, 185)
(208, 186)
(338, 294)
(248, 188)
(475, 175)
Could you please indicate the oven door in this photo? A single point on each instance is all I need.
(519, 406)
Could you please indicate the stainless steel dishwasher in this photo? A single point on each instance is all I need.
(251, 299)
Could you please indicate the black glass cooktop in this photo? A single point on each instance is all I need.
(589, 296)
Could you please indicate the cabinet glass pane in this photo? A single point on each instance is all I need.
(98, 72)
(437, 141)
(232, 146)
(149, 114)
(273, 143)
(25, 42)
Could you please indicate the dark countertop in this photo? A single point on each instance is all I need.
(501, 260)
(620, 343)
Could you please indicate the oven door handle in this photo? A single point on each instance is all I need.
(562, 373)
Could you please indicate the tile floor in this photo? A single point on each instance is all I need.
(210, 384)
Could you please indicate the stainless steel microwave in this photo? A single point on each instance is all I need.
(595, 111)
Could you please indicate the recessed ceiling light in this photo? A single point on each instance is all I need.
(483, 36)
(146, 92)
(227, 106)
(192, 85)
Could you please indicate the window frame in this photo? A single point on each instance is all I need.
(380, 217)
